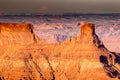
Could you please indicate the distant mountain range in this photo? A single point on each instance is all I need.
(63, 14)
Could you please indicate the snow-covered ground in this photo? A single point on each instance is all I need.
(58, 29)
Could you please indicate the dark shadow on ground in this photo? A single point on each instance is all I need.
(111, 70)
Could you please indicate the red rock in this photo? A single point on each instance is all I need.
(11, 33)
(80, 58)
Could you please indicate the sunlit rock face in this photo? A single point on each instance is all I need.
(81, 58)
(87, 33)
(16, 33)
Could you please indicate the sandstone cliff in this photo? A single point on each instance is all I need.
(25, 57)
(16, 34)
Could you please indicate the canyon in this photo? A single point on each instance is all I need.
(24, 56)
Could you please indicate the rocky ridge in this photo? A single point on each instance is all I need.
(81, 58)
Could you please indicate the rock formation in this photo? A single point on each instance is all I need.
(16, 34)
(25, 57)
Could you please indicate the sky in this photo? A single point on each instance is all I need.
(60, 6)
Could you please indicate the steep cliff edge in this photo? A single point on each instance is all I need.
(11, 33)
(81, 58)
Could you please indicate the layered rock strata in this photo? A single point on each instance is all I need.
(25, 57)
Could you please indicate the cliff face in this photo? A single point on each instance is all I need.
(16, 34)
(81, 58)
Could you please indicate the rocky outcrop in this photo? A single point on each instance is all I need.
(81, 58)
(11, 33)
